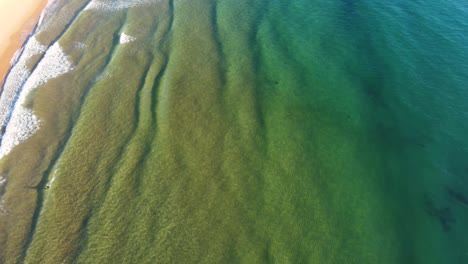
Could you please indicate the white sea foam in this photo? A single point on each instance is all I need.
(54, 64)
(23, 122)
(17, 76)
(43, 13)
(109, 5)
(50, 182)
(124, 38)
(22, 125)
(15, 57)
(41, 19)
(2, 181)
(79, 45)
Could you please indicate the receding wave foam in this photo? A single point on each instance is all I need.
(23, 122)
(124, 38)
(17, 76)
(54, 64)
(107, 5)
(79, 45)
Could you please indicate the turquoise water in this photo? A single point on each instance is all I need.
(244, 132)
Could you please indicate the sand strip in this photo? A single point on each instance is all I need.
(18, 18)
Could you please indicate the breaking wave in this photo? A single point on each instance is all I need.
(23, 122)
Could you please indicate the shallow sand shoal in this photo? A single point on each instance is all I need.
(17, 20)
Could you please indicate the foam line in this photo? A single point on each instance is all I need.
(124, 38)
(17, 77)
(23, 122)
(109, 6)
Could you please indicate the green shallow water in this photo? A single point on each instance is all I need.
(247, 132)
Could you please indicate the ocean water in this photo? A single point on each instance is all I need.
(234, 131)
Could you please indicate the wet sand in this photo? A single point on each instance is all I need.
(18, 18)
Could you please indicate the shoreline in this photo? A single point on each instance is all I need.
(18, 19)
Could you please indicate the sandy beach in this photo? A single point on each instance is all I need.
(18, 18)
